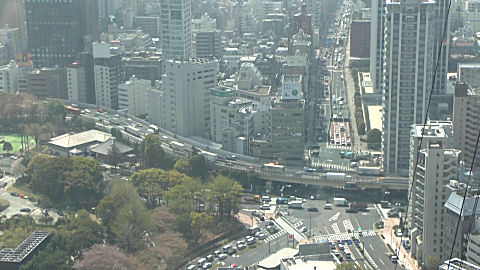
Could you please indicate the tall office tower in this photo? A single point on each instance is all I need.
(76, 83)
(176, 23)
(85, 60)
(58, 30)
(466, 122)
(13, 40)
(437, 166)
(441, 45)
(434, 131)
(408, 68)
(108, 73)
(377, 44)
(186, 97)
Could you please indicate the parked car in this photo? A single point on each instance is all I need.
(265, 207)
(216, 253)
(242, 247)
(303, 229)
(3, 185)
(210, 258)
(207, 265)
(14, 194)
(327, 206)
(25, 210)
(262, 236)
(222, 256)
(312, 209)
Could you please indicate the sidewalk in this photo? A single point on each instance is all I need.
(403, 256)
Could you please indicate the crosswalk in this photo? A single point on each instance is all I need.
(335, 228)
(274, 236)
(344, 236)
(331, 167)
(338, 146)
(348, 225)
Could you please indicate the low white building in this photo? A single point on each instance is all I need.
(133, 96)
(9, 78)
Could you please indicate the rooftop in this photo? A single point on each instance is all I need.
(70, 140)
(454, 204)
(301, 264)
(274, 260)
(458, 264)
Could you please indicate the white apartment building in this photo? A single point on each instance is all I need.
(434, 131)
(9, 78)
(133, 96)
(407, 75)
(466, 122)
(186, 96)
(176, 23)
(437, 166)
(108, 74)
(76, 84)
(154, 106)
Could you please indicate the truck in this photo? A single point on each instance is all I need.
(349, 155)
(133, 130)
(359, 206)
(340, 202)
(177, 146)
(254, 229)
(298, 204)
(336, 176)
(369, 170)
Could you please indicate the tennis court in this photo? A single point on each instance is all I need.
(15, 140)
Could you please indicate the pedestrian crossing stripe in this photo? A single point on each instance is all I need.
(345, 236)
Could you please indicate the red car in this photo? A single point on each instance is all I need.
(262, 218)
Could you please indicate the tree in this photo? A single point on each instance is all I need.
(374, 139)
(194, 166)
(226, 193)
(84, 231)
(201, 222)
(110, 206)
(131, 225)
(154, 154)
(346, 266)
(105, 257)
(7, 146)
(361, 127)
(183, 166)
(55, 111)
(113, 156)
(84, 182)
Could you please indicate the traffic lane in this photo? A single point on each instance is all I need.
(378, 251)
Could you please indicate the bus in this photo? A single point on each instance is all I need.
(72, 110)
(273, 167)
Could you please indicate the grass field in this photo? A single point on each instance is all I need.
(15, 141)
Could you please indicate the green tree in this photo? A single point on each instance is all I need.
(154, 154)
(84, 231)
(131, 225)
(374, 139)
(186, 197)
(201, 222)
(346, 266)
(110, 206)
(7, 146)
(55, 111)
(183, 166)
(226, 193)
(84, 182)
(194, 166)
(113, 156)
(361, 127)
(47, 176)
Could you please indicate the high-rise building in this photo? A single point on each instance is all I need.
(13, 40)
(58, 30)
(436, 167)
(176, 23)
(441, 45)
(76, 83)
(133, 96)
(149, 25)
(466, 122)
(377, 44)
(207, 44)
(409, 38)
(434, 131)
(108, 73)
(186, 97)
(469, 73)
(85, 60)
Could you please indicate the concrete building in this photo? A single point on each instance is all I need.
(154, 106)
(468, 224)
(434, 131)
(149, 25)
(469, 73)
(48, 83)
(466, 122)
(9, 78)
(176, 29)
(14, 258)
(86, 62)
(3, 54)
(436, 167)
(208, 44)
(146, 66)
(68, 144)
(473, 246)
(410, 30)
(76, 83)
(133, 96)
(186, 98)
(360, 34)
(109, 73)
(58, 30)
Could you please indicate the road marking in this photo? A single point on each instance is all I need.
(335, 228)
(372, 247)
(358, 224)
(326, 229)
(381, 261)
(334, 217)
(348, 225)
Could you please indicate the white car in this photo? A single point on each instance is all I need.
(265, 207)
(222, 256)
(207, 265)
(303, 229)
(262, 236)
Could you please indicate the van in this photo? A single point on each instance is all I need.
(191, 267)
(327, 206)
(201, 262)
